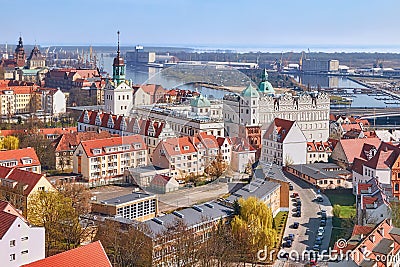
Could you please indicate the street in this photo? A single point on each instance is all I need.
(309, 221)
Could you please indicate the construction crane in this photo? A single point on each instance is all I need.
(303, 56)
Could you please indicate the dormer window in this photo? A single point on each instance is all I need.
(177, 148)
(137, 146)
(186, 148)
(96, 151)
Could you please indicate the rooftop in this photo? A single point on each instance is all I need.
(126, 198)
(321, 170)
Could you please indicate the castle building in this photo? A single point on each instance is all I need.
(118, 92)
(260, 107)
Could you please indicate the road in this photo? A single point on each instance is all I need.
(309, 220)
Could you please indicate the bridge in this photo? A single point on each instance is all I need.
(367, 113)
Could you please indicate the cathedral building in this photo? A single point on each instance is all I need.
(261, 106)
(35, 59)
(19, 54)
(118, 92)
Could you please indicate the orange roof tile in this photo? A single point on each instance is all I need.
(89, 145)
(24, 178)
(353, 147)
(178, 145)
(281, 126)
(362, 229)
(70, 141)
(92, 255)
(385, 157)
(19, 155)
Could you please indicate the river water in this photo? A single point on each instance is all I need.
(143, 75)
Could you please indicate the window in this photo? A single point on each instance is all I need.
(396, 187)
(24, 238)
(24, 252)
(12, 257)
(12, 243)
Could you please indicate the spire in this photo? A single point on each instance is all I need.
(118, 53)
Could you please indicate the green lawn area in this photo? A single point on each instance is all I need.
(342, 226)
(280, 223)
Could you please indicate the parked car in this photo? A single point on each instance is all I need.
(316, 247)
(298, 213)
(321, 235)
(290, 237)
(298, 208)
(287, 244)
(319, 198)
(321, 229)
(295, 194)
(290, 187)
(296, 225)
(323, 222)
(318, 241)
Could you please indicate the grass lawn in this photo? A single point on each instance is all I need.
(343, 225)
(280, 223)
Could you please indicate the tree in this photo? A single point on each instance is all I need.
(44, 150)
(336, 210)
(217, 167)
(395, 213)
(79, 194)
(128, 246)
(253, 227)
(52, 211)
(10, 142)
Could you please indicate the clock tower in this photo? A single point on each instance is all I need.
(118, 67)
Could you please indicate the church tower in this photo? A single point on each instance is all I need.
(118, 67)
(118, 93)
(19, 54)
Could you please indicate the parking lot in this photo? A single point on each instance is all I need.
(309, 222)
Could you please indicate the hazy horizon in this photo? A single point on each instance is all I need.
(283, 25)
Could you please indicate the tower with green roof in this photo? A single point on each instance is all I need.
(249, 111)
(265, 86)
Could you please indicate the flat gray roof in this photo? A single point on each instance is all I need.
(258, 188)
(126, 198)
(144, 169)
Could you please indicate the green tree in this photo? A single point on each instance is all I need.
(336, 210)
(10, 142)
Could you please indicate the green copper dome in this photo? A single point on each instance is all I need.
(200, 102)
(265, 86)
(250, 91)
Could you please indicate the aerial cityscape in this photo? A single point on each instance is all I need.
(200, 133)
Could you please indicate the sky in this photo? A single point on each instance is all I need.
(204, 23)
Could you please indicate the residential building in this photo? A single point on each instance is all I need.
(322, 175)
(225, 148)
(163, 184)
(243, 155)
(66, 143)
(102, 161)
(20, 242)
(180, 156)
(346, 150)
(266, 191)
(148, 94)
(372, 202)
(53, 101)
(65, 78)
(136, 206)
(92, 254)
(201, 115)
(284, 143)
(143, 175)
(384, 165)
(23, 159)
(371, 245)
(18, 186)
(153, 131)
(200, 220)
(17, 97)
(318, 151)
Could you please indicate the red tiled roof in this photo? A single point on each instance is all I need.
(208, 140)
(92, 255)
(367, 200)
(352, 126)
(221, 140)
(281, 126)
(385, 157)
(363, 187)
(362, 229)
(358, 165)
(19, 154)
(353, 147)
(22, 177)
(7, 207)
(70, 141)
(176, 146)
(6, 220)
(89, 145)
(241, 145)
(161, 179)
